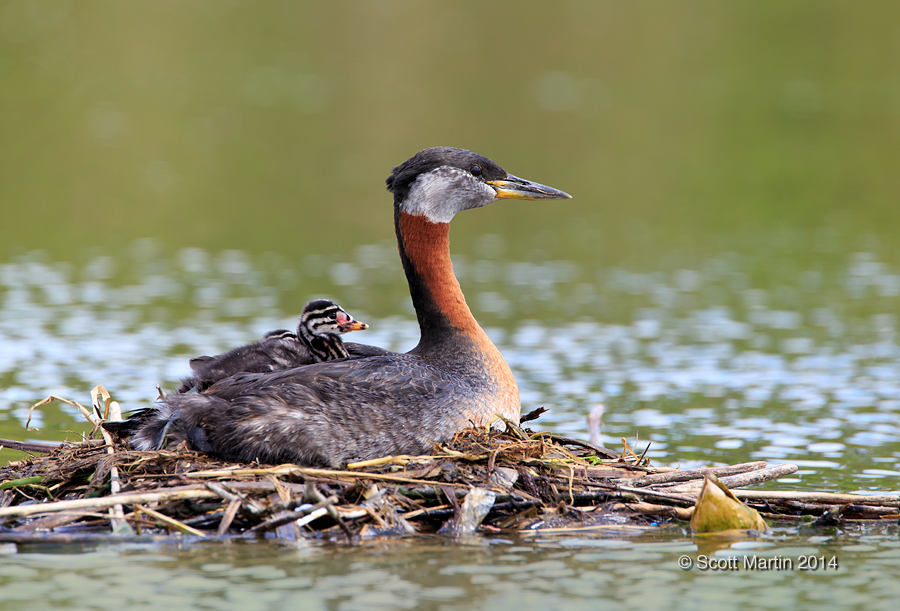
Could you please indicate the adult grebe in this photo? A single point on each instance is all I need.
(340, 411)
(316, 341)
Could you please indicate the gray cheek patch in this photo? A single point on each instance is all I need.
(438, 195)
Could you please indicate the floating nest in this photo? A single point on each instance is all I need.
(484, 480)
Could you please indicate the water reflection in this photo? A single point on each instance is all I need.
(702, 363)
(636, 571)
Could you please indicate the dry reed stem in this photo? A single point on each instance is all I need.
(629, 452)
(891, 499)
(20, 511)
(400, 459)
(586, 529)
(29, 446)
(655, 494)
(98, 394)
(690, 474)
(584, 444)
(300, 517)
(315, 515)
(228, 518)
(84, 411)
(740, 480)
(651, 509)
(171, 522)
(332, 473)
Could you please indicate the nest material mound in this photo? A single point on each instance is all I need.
(518, 480)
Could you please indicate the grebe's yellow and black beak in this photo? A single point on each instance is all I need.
(513, 187)
(352, 325)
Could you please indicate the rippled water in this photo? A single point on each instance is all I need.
(709, 363)
(630, 569)
(700, 362)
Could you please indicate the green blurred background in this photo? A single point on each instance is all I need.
(681, 129)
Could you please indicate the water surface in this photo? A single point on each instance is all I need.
(705, 364)
(630, 569)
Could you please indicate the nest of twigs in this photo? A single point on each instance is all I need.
(518, 480)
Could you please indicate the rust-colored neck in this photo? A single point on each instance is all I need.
(450, 334)
(440, 305)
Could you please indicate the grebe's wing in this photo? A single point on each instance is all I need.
(363, 350)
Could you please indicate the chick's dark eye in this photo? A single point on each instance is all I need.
(476, 170)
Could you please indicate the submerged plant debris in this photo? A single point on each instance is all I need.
(483, 481)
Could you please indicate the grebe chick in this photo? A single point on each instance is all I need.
(340, 411)
(320, 324)
(317, 340)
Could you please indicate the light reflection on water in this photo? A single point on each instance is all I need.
(703, 364)
(634, 570)
(709, 366)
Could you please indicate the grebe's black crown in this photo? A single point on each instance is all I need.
(320, 305)
(405, 174)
